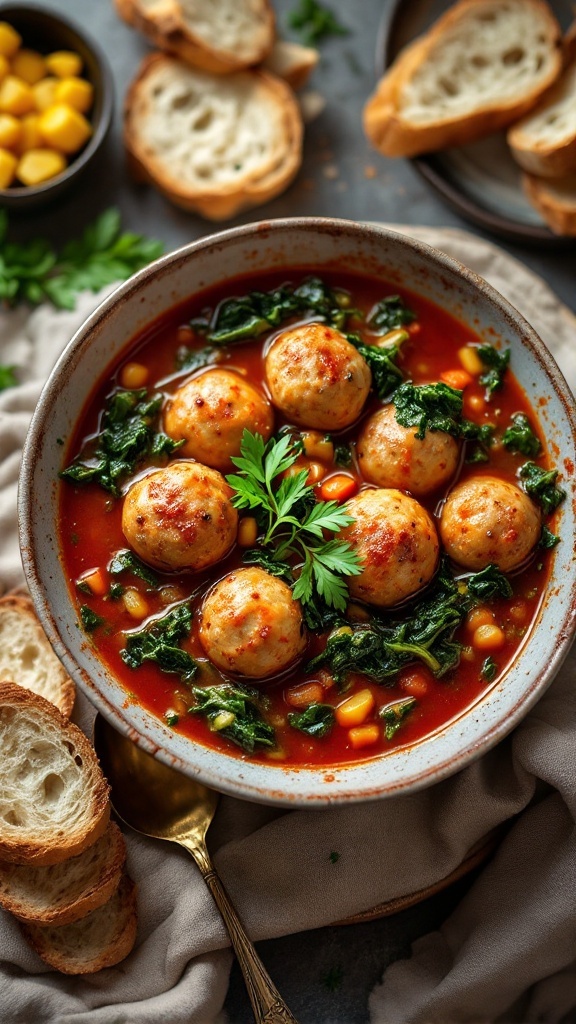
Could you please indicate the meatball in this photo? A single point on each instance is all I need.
(180, 517)
(210, 413)
(486, 520)
(317, 378)
(390, 455)
(397, 543)
(250, 624)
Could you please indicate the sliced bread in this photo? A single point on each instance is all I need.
(101, 939)
(555, 200)
(292, 62)
(480, 67)
(543, 142)
(219, 37)
(53, 796)
(65, 892)
(26, 656)
(212, 144)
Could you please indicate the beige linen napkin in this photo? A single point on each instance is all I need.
(508, 952)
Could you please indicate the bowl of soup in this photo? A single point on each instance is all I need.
(294, 512)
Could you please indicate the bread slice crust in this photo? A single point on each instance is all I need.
(555, 200)
(213, 145)
(543, 142)
(172, 25)
(62, 893)
(430, 97)
(27, 657)
(101, 939)
(53, 797)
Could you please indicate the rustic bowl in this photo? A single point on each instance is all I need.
(285, 244)
(45, 31)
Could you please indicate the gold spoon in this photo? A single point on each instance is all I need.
(160, 802)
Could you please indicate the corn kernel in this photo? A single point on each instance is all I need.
(10, 131)
(76, 92)
(133, 375)
(8, 164)
(44, 93)
(470, 360)
(16, 96)
(247, 532)
(4, 67)
(395, 337)
(30, 137)
(10, 40)
(38, 165)
(355, 709)
(64, 128)
(363, 735)
(64, 63)
(488, 638)
(29, 66)
(135, 604)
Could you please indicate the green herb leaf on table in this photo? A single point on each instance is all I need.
(159, 642)
(540, 484)
(393, 715)
(7, 378)
(236, 712)
(497, 364)
(316, 720)
(315, 22)
(127, 438)
(520, 438)
(34, 271)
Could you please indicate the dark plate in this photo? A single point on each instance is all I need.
(480, 181)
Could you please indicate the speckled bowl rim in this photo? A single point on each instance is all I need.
(383, 776)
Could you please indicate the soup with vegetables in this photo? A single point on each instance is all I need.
(308, 520)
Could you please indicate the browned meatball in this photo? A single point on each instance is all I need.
(180, 517)
(390, 455)
(211, 412)
(317, 378)
(397, 543)
(250, 625)
(486, 519)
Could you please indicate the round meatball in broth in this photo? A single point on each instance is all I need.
(390, 455)
(250, 624)
(180, 517)
(317, 378)
(397, 543)
(210, 412)
(486, 519)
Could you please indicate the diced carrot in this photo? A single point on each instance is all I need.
(458, 379)
(96, 580)
(415, 682)
(364, 735)
(339, 487)
(304, 694)
(355, 709)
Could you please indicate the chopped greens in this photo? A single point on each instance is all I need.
(159, 642)
(489, 669)
(429, 407)
(497, 364)
(172, 718)
(7, 378)
(389, 314)
(393, 715)
(342, 455)
(126, 561)
(315, 22)
(35, 272)
(386, 375)
(192, 359)
(294, 524)
(540, 484)
(520, 438)
(235, 712)
(90, 620)
(489, 583)
(127, 437)
(316, 720)
(548, 540)
(479, 444)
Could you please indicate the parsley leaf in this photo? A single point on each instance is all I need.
(540, 484)
(35, 272)
(316, 720)
(519, 436)
(236, 712)
(158, 642)
(497, 363)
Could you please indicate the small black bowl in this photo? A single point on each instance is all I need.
(43, 31)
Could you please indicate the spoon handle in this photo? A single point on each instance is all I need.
(267, 1003)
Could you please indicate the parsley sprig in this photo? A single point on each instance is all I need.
(292, 526)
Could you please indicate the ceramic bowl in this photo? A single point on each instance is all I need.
(285, 244)
(44, 31)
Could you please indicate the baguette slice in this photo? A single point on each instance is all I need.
(26, 656)
(53, 796)
(480, 67)
(292, 62)
(555, 200)
(101, 939)
(219, 37)
(65, 892)
(543, 142)
(212, 144)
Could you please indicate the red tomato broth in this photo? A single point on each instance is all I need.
(91, 533)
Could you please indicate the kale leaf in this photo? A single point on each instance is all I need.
(389, 314)
(540, 484)
(489, 669)
(90, 620)
(126, 561)
(159, 642)
(393, 715)
(488, 583)
(519, 436)
(386, 375)
(497, 363)
(429, 407)
(236, 712)
(316, 720)
(548, 540)
(192, 359)
(127, 437)
(342, 455)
